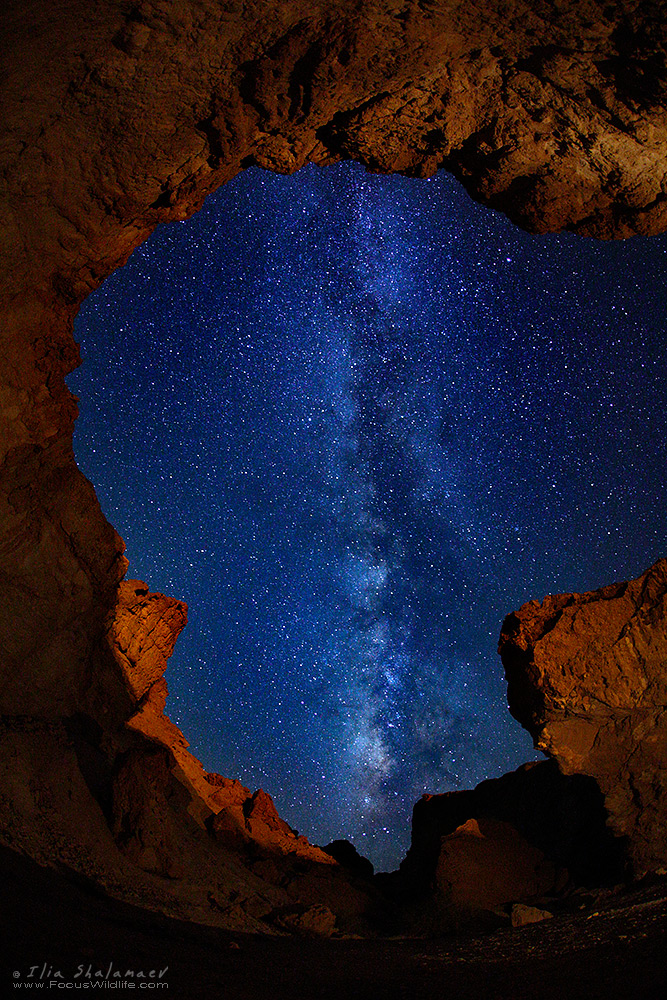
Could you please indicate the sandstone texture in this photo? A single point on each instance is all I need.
(115, 117)
(141, 635)
(587, 676)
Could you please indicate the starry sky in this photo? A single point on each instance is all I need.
(353, 421)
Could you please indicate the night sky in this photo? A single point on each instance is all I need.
(353, 421)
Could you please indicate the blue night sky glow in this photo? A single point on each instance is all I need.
(353, 421)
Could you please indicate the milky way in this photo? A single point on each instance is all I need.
(353, 421)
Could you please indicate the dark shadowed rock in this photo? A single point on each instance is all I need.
(562, 816)
(315, 921)
(485, 863)
(348, 856)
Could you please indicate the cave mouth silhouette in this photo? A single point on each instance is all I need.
(178, 353)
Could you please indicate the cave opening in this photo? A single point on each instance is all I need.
(353, 420)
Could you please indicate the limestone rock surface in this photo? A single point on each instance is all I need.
(587, 676)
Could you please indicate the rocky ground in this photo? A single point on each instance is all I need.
(609, 943)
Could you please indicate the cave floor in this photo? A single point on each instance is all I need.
(610, 946)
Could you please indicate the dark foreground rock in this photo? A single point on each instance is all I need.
(608, 946)
(562, 816)
(130, 807)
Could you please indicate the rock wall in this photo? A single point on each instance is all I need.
(587, 676)
(141, 635)
(117, 116)
(133, 810)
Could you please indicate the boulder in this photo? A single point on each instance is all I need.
(348, 856)
(563, 816)
(486, 863)
(315, 921)
(521, 915)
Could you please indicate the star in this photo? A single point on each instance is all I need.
(353, 421)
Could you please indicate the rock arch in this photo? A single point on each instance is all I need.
(120, 116)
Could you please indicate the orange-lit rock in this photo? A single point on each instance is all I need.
(522, 915)
(142, 633)
(141, 815)
(587, 678)
(117, 118)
